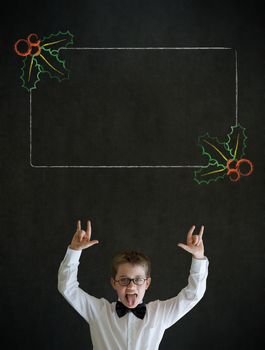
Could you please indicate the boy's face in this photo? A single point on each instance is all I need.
(130, 295)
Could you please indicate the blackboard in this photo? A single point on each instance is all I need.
(117, 143)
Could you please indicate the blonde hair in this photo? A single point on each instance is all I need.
(132, 257)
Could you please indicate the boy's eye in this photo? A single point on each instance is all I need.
(125, 281)
(138, 280)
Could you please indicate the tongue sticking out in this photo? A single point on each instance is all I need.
(131, 298)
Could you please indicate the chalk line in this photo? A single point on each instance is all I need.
(136, 166)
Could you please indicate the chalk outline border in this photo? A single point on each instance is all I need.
(136, 48)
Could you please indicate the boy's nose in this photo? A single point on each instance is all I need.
(131, 286)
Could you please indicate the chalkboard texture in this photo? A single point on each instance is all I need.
(117, 143)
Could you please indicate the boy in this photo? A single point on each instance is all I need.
(129, 324)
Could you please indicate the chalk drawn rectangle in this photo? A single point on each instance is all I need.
(133, 107)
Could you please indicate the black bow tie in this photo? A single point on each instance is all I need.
(138, 311)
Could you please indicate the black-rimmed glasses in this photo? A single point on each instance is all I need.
(125, 281)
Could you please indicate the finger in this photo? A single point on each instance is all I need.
(88, 230)
(185, 247)
(196, 240)
(200, 244)
(189, 235)
(78, 227)
(81, 235)
(93, 242)
(201, 232)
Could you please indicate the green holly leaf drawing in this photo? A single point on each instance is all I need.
(212, 172)
(215, 150)
(237, 142)
(30, 73)
(55, 42)
(54, 67)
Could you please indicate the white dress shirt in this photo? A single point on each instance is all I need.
(108, 331)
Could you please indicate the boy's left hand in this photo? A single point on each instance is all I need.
(194, 243)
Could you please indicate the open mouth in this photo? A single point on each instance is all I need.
(131, 299)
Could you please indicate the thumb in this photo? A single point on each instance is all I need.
(91, 243)
(184, 246)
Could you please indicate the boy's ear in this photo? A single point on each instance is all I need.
(148, 282)
(112, 282)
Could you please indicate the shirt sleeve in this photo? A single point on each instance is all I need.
(175, 308)
(86, 305)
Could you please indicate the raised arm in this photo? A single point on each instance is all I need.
(175, 308)
(68, 285)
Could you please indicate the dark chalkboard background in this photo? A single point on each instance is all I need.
(132, 108)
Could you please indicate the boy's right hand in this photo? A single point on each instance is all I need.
(82, 239)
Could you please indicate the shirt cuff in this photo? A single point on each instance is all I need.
(199, 265)
(72, 256)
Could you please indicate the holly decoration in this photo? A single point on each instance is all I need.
(224, 158)
(42, 56)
